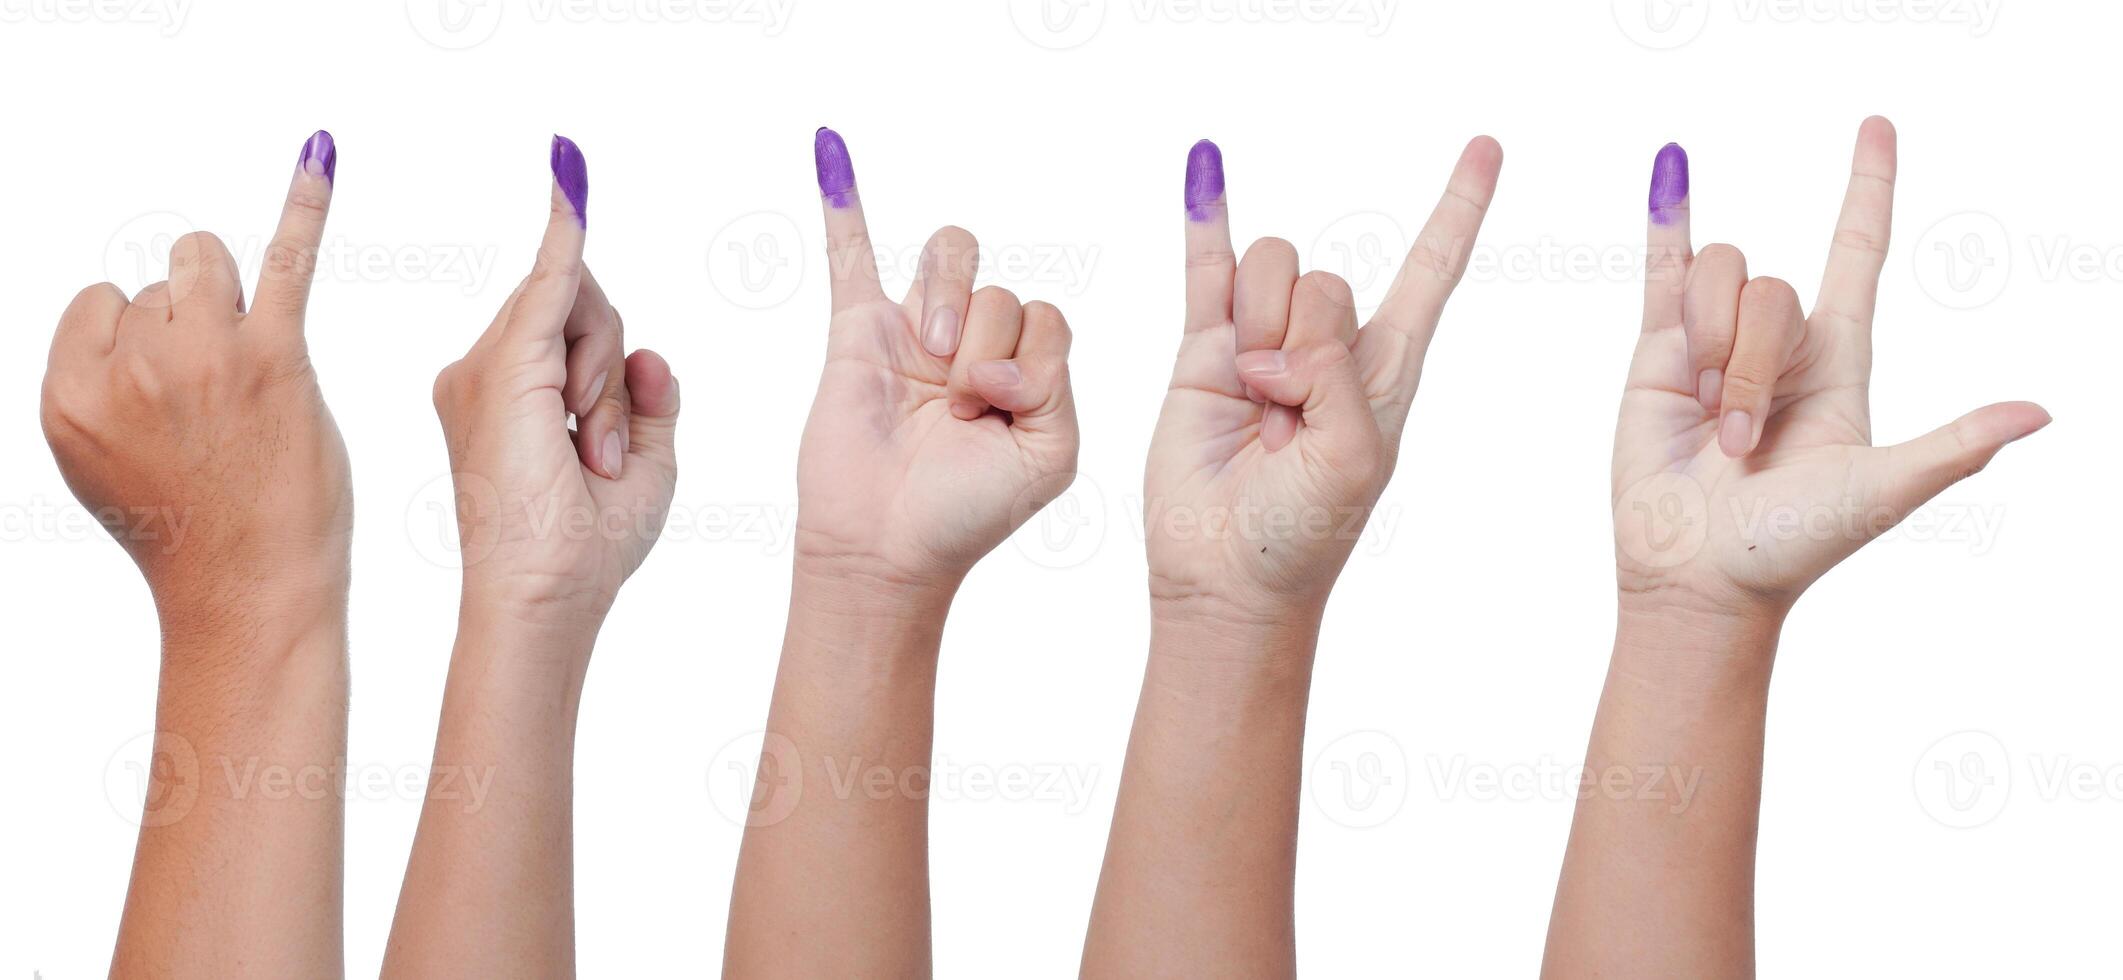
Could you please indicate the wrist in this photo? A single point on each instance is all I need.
(250, 627)
(501, 660)
(1216, 645)
(860, 592)
(1690, 649)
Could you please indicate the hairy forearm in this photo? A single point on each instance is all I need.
(489, 889)
(1202, 859)
(1658, 878)
(836, 847)
(238, 867)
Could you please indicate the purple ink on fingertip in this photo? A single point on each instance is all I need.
(1669, 183)
(1205, 180)
(573, 176)
(836, 173)
(320, 156)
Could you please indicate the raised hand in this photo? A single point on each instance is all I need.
(1283, 420)
(1743, 470)
(1279, 432)
(942, 421)
(552, 523)
(202, 420)
(195, 430)
(1741, 406)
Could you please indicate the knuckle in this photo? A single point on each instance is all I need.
(192, 247)
(1332, 286)
(1271, 249)
(308, 202)
(1046, 315)
(1861, 240)
(1719, 254)
(1426, 257)
(1769, 293)
(1744, 385)
(289, 258)
(996, 295)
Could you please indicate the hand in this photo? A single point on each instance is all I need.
(195, 431)
(942, 422)
(553, 521)
(1743, 413)
(1283, 420)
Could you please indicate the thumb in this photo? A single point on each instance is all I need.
(1913, 472)
(653, 424)
(1319, 380)
(540, 312)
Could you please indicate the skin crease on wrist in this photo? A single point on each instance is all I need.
(941, 423)
(1736, 400)
(1200, 869)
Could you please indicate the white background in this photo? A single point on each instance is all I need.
(1467, 638)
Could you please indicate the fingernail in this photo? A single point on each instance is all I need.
(589, 398)
(1709, 386)
(1669, 183)
(1205, 180)
(320, 156)
(1264, 363)
(573, 176)
(2037, 427)
(836, 173)
(998, 374)
(940, 336)
(614, 457)
(1736, 434)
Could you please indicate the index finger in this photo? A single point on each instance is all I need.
(291, 257)
(541, 311)
(851, 265)
(1211, 264)
(1850, 287)
(1439, 256)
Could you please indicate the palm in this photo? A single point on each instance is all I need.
(529, 507)
(1817, 430)
(1211, 486)
(886, 472)
(1721, 508)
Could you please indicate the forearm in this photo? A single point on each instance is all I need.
(837, 844)
(489, 889)
(1202, 859)
(238, 868)
(1658, 878)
